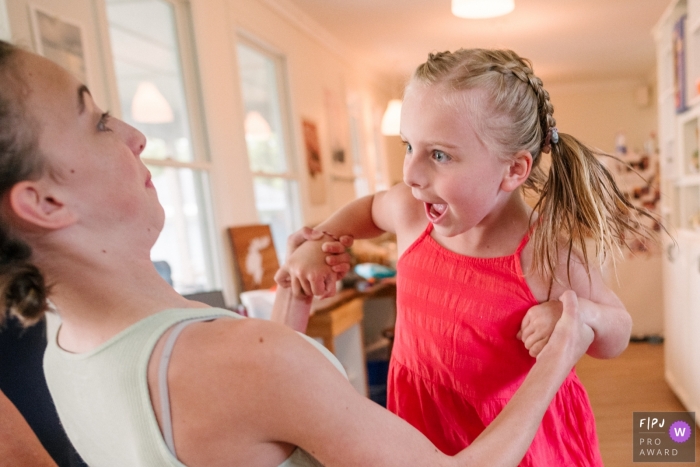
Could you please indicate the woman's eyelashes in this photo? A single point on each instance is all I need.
(102, 124)
(408, 146)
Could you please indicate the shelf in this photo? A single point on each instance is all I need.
(688, 180)
(382, 343)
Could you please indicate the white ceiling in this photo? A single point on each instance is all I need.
(567, 40)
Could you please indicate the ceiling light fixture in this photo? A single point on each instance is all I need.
(478, 9)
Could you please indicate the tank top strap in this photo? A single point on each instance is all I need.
(526, 238)
(163, 379)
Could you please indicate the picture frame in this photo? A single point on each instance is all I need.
(60, 41)
(255, 256)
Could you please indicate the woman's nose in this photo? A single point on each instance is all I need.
(132, 137)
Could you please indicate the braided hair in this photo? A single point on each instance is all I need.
(578, 199)
(22, 288)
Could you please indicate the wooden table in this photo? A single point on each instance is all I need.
(335, 315)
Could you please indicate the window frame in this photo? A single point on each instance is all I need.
(286, 123)
(201, 165)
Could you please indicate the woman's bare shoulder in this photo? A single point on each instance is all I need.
(230, 379)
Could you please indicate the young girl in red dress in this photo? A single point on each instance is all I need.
(479, 269)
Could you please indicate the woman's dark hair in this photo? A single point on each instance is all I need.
(22, 288)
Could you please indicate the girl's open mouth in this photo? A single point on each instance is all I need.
(435, 212)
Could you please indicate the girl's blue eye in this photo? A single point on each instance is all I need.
(102, 124)
(440, 156)
(408, 146)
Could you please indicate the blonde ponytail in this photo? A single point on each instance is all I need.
(580, 201)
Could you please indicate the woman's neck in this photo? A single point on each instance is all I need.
(98, 298)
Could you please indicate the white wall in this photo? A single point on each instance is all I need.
(4, 23)
(595, 112)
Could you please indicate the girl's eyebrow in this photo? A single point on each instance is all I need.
(442, 143)
(82, 90)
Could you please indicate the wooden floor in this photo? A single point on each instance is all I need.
(633, 382)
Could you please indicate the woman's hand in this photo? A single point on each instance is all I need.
(538, 324)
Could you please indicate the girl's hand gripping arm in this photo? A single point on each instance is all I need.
(294, 311)
(538, 325)
(308, 268)
(600, 308)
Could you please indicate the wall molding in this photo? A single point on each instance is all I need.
(306, 24)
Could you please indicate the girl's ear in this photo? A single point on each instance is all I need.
(32, 202)
(517, 171)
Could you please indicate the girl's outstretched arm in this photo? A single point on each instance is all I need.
(273, 386)
(366, 217)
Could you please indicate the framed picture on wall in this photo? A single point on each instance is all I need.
(255, 255)
(60, 41)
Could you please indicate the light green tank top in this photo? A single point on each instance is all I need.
(103, 401)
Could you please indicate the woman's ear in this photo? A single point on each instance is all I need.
(517, 171)
(33, 202)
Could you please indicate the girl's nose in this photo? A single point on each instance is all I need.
(413, 174)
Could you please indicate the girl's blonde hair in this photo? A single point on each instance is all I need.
(578, 199)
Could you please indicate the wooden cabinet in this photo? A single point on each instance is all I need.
(677, 36)
(337, 321)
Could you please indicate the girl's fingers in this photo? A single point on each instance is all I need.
(347, 240)
(333, 248)
(341, 268)
(526, 333)
(538, 346)
(338, 259)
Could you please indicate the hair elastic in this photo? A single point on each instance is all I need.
(551, 138)
(555, 135)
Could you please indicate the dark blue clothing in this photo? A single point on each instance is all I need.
(22, 380)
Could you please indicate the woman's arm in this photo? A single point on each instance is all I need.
(19, 446)
(252, 383)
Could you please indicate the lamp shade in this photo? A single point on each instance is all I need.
(392, 118)
(256, 126)
(482, 8)
(149, 105)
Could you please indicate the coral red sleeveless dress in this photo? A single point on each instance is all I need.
(456, 360)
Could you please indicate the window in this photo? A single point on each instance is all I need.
(268, 143)
(158, 95)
